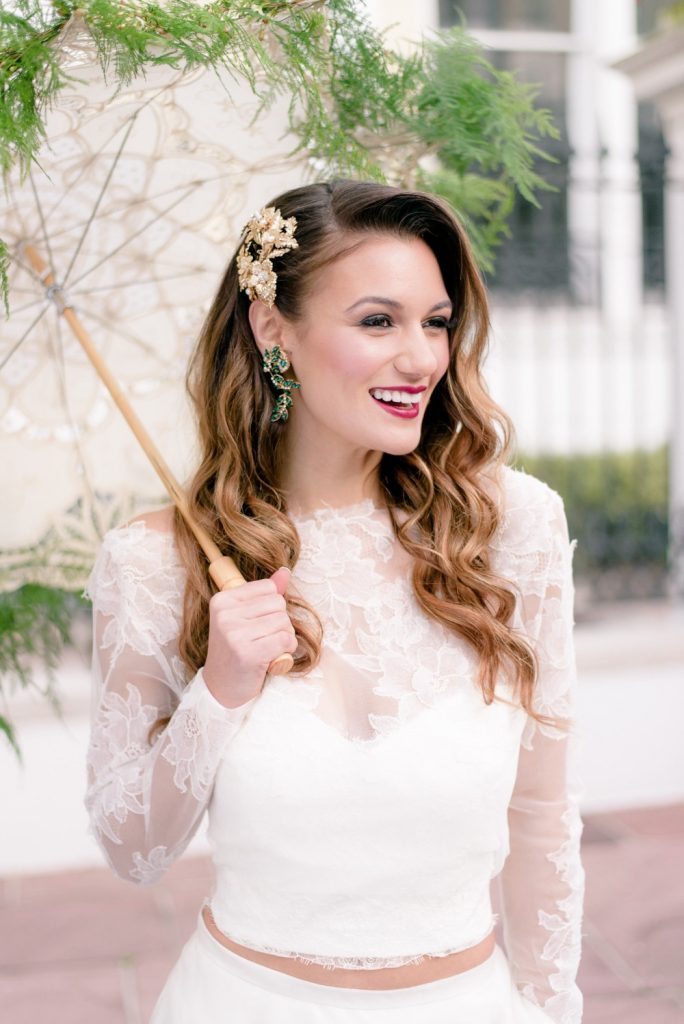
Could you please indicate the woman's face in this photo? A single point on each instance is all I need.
(376, 318)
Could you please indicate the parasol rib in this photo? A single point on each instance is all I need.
(222, 568)
(136, 234)
(25, 335)
(100, 197)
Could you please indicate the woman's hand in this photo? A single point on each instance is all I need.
(248, 629)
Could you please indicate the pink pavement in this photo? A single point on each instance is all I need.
(83, 947)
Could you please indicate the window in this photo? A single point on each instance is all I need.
(652, 155)
(541, 255)
(536, 255)
(507, 14)
(650, 15)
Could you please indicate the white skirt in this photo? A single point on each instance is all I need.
(210, 984)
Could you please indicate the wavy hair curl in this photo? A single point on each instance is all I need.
(452, 516)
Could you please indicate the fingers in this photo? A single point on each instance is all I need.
(252, 609)
(248, 591)
(265, 625)
(274, 646)
(254, 593)
(281, 577)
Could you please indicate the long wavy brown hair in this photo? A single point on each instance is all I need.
(235, 494)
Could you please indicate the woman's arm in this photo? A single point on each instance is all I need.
(145, 801)
(541, 886)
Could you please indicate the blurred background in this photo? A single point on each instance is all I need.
(587, 357)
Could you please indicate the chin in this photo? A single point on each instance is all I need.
(406, 448)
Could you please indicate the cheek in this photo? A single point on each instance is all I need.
(344, 360)
(349, 363)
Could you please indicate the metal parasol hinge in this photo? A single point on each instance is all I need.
(55, 294)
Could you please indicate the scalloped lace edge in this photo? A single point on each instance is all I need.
(351, 962)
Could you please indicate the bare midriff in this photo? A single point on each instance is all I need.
(431, 968)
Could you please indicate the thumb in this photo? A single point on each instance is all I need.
(281, 578)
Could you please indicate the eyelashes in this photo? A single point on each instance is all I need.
(438, 321)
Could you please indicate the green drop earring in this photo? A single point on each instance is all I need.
(275, 363)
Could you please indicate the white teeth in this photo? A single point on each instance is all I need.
(395, 396)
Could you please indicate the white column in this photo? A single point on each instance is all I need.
(657, 71)
(621, 248)
(673, 126)
(620, 219)
(584, 170)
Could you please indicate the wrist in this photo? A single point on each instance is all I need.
(227, 697)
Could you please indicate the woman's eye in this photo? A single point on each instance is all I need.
(381, 320)
(371, 321)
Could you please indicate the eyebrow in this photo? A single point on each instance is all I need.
(393, 303)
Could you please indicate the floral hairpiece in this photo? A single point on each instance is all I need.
(274, 235)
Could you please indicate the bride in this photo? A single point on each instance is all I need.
(423, 746)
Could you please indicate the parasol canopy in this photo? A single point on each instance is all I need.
(135, 204)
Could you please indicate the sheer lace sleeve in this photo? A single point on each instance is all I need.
(541, 886)
(145, 801)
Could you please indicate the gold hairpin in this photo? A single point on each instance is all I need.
(274, 235)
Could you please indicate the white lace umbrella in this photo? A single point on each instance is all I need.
(135, 204)
(118, 239)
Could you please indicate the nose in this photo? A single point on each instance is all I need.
(419, 355)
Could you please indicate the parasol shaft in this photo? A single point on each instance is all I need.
(222, 568)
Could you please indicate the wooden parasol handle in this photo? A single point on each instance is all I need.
(222, 568)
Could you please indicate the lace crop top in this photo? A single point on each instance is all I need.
(358, 813)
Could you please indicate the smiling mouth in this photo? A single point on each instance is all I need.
(407, 410)
(386, 397)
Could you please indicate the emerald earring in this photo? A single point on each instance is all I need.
(275, 363)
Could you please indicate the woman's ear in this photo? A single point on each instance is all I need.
(268, 326)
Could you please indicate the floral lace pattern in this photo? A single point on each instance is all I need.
(118, 745)
(544, 942)
(384, 664)
(145, 800)
(150, 869)
(383, 660)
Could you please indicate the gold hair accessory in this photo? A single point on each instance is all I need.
(274, 235)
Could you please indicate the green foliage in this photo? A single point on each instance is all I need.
(672, 16)
(132, 35)
(367, 88)
(35, 621)
(483, 125)
(37, 618)
(449, 102)
(353, 101)
(29, 77)
(4, 267)
(64, 555)
(616, 504)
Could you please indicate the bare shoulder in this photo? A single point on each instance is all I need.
(160, 520)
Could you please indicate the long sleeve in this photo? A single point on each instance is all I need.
(541, 886)
(145, 801)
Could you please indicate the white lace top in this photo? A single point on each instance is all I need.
(358, 813)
